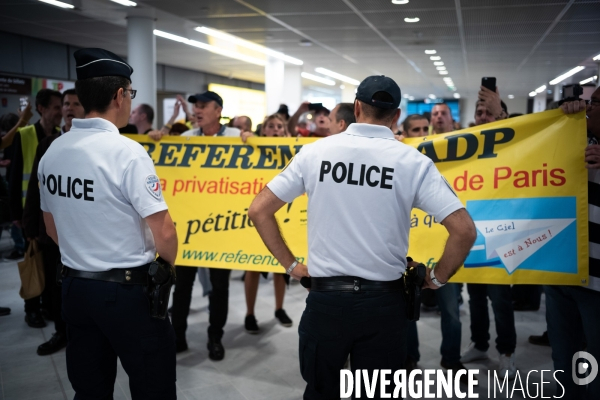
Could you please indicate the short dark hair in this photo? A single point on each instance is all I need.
(71, 92)
(409, 119)
(44, 96)
(95, 94)
(345, 112)
(380, 114)
(442, 104)
(147, 109)
(8, 121)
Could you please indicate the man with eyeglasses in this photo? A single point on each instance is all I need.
(102, 204)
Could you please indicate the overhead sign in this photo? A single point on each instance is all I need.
(15, 85)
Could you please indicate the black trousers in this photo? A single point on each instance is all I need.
(218, 300)
(371, 327)
(106, 320)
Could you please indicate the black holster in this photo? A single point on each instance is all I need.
(414, 277)
(161, 277)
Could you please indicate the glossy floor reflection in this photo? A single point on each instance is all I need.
(256, 367)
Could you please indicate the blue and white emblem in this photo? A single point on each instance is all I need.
(153, 186)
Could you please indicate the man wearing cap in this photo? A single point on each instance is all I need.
(207, 109)
(362, 185)
(95, 183)
(320, 117)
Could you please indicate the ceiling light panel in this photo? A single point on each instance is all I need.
(567, 74)
(316, 78)
(58, 3)
(211, 48)
(247, 44)
(125, 3)
(337, 76)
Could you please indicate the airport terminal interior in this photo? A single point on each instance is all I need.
(265, 57)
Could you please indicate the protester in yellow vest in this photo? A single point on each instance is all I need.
(48, 105)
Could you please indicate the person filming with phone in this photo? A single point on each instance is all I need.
(320, 117)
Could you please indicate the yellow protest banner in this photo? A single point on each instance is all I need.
(209, 183)
(523, 181)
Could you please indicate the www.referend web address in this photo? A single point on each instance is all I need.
(234, 258)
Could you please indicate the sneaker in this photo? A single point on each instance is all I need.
(472, 353)
(4, 311)
(541, 340)
(507, 364)
(251, 325)
(216, 351)
(283, 318)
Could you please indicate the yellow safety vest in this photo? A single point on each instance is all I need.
(29, 143)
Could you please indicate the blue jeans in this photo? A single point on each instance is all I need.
(573, 325)
(447, 298)
(504, 315)
(17, 236)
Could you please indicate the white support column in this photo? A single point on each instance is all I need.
(292, 87)
(556, 92)
(539, 102)
(348, 93)
(274, 83)
(141, 49)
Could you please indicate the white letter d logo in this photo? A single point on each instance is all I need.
(581, 368)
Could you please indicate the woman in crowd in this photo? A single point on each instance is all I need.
(273, 126)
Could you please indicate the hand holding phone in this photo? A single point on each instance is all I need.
(315, 106)
(23, 101)
(489, 83)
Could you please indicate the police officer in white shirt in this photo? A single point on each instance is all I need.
(361, 187)
(103, 205)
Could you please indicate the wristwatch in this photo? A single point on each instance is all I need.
(435, 280)
(291, 268)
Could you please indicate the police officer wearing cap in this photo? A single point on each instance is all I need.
(362, 185)
(102, 204)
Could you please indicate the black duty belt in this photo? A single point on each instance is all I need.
(354, 284)
(126, 276)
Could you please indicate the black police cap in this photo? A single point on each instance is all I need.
(379, 83)
(93, 63)
(206, 97)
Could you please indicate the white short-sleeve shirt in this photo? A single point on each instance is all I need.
(99, 186)
(226, 131)
(362, 185)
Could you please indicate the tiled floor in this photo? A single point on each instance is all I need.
(256, 367)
